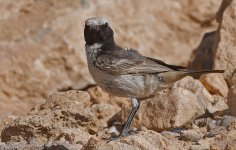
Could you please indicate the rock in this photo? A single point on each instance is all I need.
(65, 116)
(227, 121)
(192, 135)
(203, 13)
(170, 109)
(42, 44)
(215, 84)
(169, 135)
(5, 121)
(219, 104)
(147, 140)
(224, 141)
(205, 100)
(216, 51)
(215, 131)
(187, 100)
(212, 124)
(20, 146)
(225, 55)
(99, 96)
(103, 115)
(70, 120)
(58, 145)
(206, 122)
(199, 147)
(176, 107)
(232, 100)
(202, 56)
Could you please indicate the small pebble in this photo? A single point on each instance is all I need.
(191, 135)
(226, 121)
(169, 135)
(215, 131)
(199, 147)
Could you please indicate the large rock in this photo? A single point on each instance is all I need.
(148, 140)
(66, 117)
(187, 100)
(57, 145)
(42, 45)
(215, 84)
(170, 109)
(232, 100)
(206, 101)
(202, 56)
(225, 54)
(99, 96)
(217, 49)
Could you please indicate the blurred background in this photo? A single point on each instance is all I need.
(42, 44)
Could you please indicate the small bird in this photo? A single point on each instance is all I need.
(125, 72)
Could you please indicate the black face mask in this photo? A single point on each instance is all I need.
(97, 34)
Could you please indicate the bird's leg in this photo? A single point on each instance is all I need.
(126, 130)
(135, 106)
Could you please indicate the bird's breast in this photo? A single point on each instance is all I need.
(124, 85)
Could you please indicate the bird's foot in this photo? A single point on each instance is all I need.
(124, 133)
(127, 132)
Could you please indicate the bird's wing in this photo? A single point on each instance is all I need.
(176, 68)
(131, 62)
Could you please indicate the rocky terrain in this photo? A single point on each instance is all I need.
(42, 54)
(42, 44)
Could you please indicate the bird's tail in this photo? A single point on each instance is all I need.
(173, 76)
(198, 73)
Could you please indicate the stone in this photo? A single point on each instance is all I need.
(70, 120)
(215, 84)
(20, 145)
(170, 109)
(57, 145)
(205, 100)
(216, 50)
(176, 107)
(227, 121)
(5, 121)
(103, 115)
(60, 146)
(215, 131)
(199, 147)
(232, 100)
(206, 122)
(225, 55)
(148, 140)
(202, 56)
(99, 96)
(224, 140)
(192, 135)
(65, 116)
(170, 135)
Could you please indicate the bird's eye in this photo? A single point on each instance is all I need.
(106, 24)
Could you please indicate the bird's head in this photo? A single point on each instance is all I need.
(97, 30)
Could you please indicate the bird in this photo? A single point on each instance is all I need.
(125, 72)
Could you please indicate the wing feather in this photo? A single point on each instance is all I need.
(130, 62)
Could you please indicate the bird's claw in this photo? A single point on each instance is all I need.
(124, 133)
